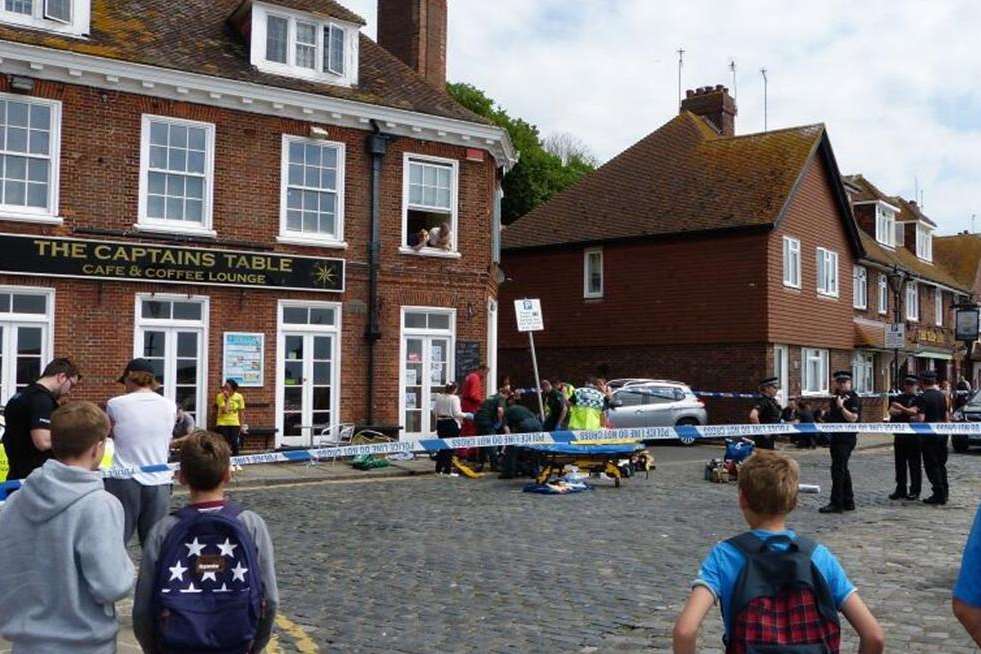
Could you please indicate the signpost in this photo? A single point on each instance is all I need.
(528, 313)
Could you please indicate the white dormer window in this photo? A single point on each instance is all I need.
(65, 16)
(924, 242)
(307, 46)
(885, 225)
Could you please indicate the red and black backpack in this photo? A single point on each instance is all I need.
(781, 601)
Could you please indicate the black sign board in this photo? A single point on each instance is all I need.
(49, 256)
(467, 359)
(966, 324)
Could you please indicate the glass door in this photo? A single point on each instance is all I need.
(175, 355)
(426, 366)
(308, 386)
(23, 352)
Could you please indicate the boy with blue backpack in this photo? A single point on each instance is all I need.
(207, 580)
(779, 592)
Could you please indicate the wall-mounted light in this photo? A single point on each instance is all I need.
(318, 132)
(21, 84)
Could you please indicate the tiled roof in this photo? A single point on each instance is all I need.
(867, 191)
(684, 177)
(903, 258)
(194, 36)
(961, 255)
(324, 7)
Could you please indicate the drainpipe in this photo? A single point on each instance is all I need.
(377, 147)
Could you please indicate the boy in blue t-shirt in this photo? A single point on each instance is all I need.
(967, 591)
(767, 493)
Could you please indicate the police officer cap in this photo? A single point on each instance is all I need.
(928, 375)
(842, 375)
(769, 381)
(910, 379)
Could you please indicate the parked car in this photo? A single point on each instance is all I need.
(970, 412)
(656, 403)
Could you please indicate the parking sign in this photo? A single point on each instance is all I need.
(529, 315)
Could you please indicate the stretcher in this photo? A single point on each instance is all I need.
(618, 460)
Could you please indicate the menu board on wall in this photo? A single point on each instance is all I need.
(467, 359)
(243, 358)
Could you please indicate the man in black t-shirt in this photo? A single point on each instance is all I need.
(27, 439)
(766, 411)
(932, 407)
(906, 447)
(845, 407)
(556, 406)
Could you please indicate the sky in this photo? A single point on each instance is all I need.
(896, 83)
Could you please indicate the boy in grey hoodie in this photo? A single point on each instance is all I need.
(63, 564)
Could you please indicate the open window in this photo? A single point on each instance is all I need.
(429, 205)
(63, 16)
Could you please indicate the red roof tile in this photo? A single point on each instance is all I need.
(194, 36)
(684, 177)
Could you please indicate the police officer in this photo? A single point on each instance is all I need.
(766, 411)
(845, 407)
(906, 447)
(932, 407)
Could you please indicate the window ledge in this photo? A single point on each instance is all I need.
(40, 219)
(814, 393)
(310, 241)
(827, 296)
(430, 252)
(793, 287)
(176, 230)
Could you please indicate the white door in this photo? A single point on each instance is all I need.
(425, 373)
(175, 354)
(308, 386)
(171, 333)
(308, 371)
(428, 347)
(25, 337)
(781, 372)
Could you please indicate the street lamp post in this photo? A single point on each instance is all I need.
(897, 283)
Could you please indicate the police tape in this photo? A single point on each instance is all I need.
(742, 396)
(687, 434)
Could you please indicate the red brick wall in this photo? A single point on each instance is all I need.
(802, 316)
(100, 154)
(655, 293)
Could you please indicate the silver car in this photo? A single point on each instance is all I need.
(656, 403)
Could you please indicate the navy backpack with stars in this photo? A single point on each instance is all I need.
(208, 595)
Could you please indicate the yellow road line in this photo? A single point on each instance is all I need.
(302, 641)
(273, 646)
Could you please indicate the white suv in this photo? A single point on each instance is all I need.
(655, 403)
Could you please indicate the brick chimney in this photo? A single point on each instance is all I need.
(715, 104)
(415, 32)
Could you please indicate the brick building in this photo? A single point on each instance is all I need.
(238, 188)
(699, 255)
(961, 255)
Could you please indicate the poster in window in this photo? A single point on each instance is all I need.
(243, 358)
(410, 401)
(436, 374)
(437, 352)
(411, 377)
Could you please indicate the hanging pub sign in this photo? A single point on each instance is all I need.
(966, 323)
(49, 256)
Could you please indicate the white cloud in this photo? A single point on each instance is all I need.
(895, 82)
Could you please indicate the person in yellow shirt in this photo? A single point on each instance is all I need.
(231, 407)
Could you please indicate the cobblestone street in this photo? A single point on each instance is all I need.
(446, 564)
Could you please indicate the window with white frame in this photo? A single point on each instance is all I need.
(312, 190)
(429, 205)
(863, 367)
(912, 301)
(924, 242)
(177, 172)
(860, 286)
(592, 273)
(827, 272)
(883, 294)
(938, 307)
(885, 225)
(814, 371)
(30, 132)
(64, 16)
(791, 262)
(304, 45)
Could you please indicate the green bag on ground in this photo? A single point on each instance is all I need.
(368, 462)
